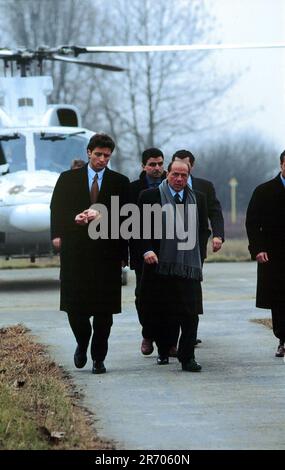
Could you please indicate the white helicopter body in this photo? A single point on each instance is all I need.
(37, 142)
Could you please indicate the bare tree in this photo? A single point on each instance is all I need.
(246, 156)
(34, 23)
(161, 95)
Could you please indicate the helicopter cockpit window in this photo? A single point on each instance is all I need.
(13, 151)
(55, 151)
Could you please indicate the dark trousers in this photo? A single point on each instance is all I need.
(278, 321)
(147, 331)
(187, 340)
(164, 337)
(82, 331)
(175, 333)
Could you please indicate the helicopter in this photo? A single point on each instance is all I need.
(38, 140)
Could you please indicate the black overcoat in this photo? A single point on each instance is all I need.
(214, 208)
(90, 271)
(265, 224)
(168, 295)
(136, 187)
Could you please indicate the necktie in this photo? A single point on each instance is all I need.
(94, 190)
(177, 199)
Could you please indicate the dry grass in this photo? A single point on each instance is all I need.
(263, 321)
(23, 263)
(232, 250)
(39, 406)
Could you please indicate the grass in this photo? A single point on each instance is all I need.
(39, 406)
(232, 250)
(263, 321)
(24, 263)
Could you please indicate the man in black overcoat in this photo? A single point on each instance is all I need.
(151, 176)
(90, 272)
(171, 281)
(265, 225)
(214, 209)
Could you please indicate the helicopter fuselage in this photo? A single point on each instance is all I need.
(31, 160)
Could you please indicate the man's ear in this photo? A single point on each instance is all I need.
(88, 153)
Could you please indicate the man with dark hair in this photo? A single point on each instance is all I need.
(151, 176)
(90, 273)
(171, 280)
(77, 163)
(265, 225)
(214, 210)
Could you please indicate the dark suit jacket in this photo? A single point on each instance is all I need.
(265, 225)
(214, 208)
(136, 187)
(90, 269)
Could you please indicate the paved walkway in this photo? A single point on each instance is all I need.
(236, 402)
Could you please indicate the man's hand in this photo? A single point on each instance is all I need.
(86, 216)
(56, 242)
(81, 219)
(151, 258)
(216, 244)
(92, 214)
(262, 257)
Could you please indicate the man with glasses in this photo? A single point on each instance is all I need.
(90, 273)
(151, 176)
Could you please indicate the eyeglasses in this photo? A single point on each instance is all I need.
(153, 164)
(105, 155)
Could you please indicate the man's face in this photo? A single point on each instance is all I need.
(283, 168)
(178, 176)
(154, 167)
(185, 160)
(99, 157)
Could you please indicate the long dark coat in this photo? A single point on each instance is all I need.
(168, 295)
(136, 187)
(265, 224)
(90, 270)
(214, 209)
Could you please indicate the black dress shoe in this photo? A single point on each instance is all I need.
(80, 358)
(280, 351)
(98, 367)
(198, 341)
(191, 366)
(161, 360)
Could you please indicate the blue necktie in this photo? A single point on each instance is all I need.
(177, 199)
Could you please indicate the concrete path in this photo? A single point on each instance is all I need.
(236, 402)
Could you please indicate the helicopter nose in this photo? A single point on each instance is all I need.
(31, 217)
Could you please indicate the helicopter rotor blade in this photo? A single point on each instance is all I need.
(111, 68)
(177, 47)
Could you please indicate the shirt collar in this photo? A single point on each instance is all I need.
(181, 193)
(282, 179)
(92, 173)
(152, 182)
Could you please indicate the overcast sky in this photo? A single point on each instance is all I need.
(261, 90)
